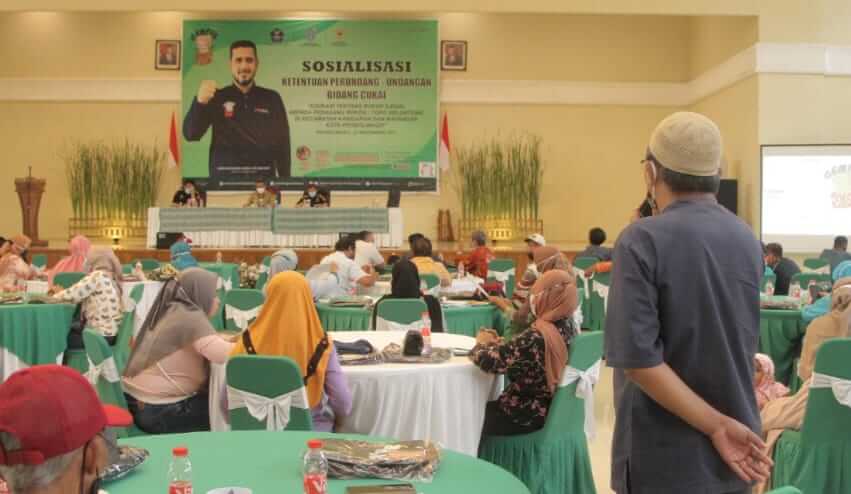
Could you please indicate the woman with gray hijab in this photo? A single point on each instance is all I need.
(99, 296)
(165, 382)
(287, 260)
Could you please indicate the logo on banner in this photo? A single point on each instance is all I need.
(229, 107)
(277, 36)
(310, 35)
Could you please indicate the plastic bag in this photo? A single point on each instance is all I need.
(405, 460)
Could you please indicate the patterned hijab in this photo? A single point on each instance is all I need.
(553, 297)
(841, 304)
(178, 318)
(289, 326)
(104, 259)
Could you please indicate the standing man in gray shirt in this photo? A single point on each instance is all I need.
(683, 326)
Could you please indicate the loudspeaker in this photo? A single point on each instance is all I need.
(166, 239)
(394, 196)
(728, 195)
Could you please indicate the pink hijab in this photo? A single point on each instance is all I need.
(79, 248)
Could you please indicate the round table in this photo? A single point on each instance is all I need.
(271, 462)
(33, 334)
(463, 320)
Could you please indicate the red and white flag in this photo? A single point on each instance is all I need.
(173, 145)
(445, 151)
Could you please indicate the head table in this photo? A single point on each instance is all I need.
(271, 462)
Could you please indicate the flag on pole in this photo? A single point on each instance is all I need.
(443, 157)
(173, 149)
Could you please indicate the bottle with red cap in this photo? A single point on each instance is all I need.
(426, 332)
(180, 472)
(315, 469)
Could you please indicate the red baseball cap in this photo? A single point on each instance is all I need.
(52, 410)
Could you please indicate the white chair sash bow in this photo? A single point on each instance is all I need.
(223, 283)
(264, 268)
(587, 379)
(501, 276)
(106, 369)
(585, 279)
(241, 317)
(822, 270)
(841, 387)
(274, 411)
(382, 324)
(603, 291)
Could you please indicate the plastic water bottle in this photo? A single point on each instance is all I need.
(138, 266)
(423, 286)
(219, 257)
(315, 469)
(795, 291)
(426, 332)
(180, 472)
(769, 288)
(462, 271)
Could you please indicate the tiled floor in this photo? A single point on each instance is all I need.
(600, 448)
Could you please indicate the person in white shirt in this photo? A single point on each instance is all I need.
(366, 253)
(349, 272)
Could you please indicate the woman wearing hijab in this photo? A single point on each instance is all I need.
(99, 296)
(181, 256)
(823, 305)
(788, 412)
(14, 265)
(406, 284)
(533, 360)
(286, 260)
(289, 326)
(166, 377)
(75, 263)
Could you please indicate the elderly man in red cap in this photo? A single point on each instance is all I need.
(51, 432)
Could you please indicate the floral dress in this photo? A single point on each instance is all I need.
(526, 400)
(101, 301)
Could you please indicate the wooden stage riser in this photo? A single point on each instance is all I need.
(306, 257)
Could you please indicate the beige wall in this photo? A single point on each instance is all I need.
(714, 39)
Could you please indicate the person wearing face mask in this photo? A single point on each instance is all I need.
(262, 197)
(165, 381)
(313, 198)
(533, 360)
(683, 325)
(188, 196)
(14, 265)
(52, 429)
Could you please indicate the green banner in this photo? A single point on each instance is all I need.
(350, 104)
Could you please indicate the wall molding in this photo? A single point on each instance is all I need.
(761, 58)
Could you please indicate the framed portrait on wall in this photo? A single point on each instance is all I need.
(453, 55)
(167, 54)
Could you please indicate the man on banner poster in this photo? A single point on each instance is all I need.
(251, 133)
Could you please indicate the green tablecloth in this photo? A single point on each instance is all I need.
(323, 220)
(780, 335)
(271, 462)
(214, 219)
(459, 320)
(32, 334)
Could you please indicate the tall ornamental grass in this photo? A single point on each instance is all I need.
(500, 180)
(113, 181)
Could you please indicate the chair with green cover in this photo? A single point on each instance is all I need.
(263, 277)
(148, 264)
(504, 271)
(67, 279)
(804, 280)
(554, 459)
(399, 314)
(431, 280)
(104, 375)
(817, 458)
(256, 402)
(39, 261)
(816, 266)
(242, 306)
(772, 278)
(580, 264)
(121, 349)
(599, 301)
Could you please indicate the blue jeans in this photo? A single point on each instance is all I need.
(189, 415)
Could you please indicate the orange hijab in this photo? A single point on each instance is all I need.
(289, 326)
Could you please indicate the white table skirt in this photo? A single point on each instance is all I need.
(440, 402)
(265, 238)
